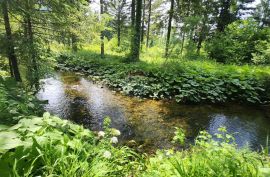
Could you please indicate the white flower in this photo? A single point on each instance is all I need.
(13, 111)
(107, 154)
(114, 140)
(101, 134)
(115, 132)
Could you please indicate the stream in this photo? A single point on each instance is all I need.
(149, 122)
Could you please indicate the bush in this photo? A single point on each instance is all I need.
(16, 101)
(262, 56)
(237, 43)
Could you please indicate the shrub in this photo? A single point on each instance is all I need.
(16, 101)
(262, 56)
(237, 43)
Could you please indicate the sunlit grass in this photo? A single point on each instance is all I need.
(153, 58)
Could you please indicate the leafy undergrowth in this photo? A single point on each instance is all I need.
(16, 101)
(188, 82)
(209, 157)
(50, 146)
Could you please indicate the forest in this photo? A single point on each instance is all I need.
(153, 88)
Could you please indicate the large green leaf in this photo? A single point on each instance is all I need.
(9, 140)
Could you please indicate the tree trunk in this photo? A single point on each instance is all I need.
(136, 39)
(202, 35)
(74, 43)
(183, 42)
(13, 63)
(133, 5)
(142, 28)
(169, 28)
(119, 27)
(102, 32)
(184, 33)
(224, 16)
(148, 23)
(33, 52)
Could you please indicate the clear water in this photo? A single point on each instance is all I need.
(149, 122)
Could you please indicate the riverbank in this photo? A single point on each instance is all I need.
(185, 82)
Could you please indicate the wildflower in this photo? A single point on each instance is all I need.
(107, 154)
(114, 140)
(13, 111)
(115, 132)
(101, 134)
(169, 152)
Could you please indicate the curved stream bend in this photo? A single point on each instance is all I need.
(148, 122)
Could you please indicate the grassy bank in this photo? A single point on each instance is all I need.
(50, 146)
(184, 81)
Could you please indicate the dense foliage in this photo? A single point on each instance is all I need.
(180, 83)
(15, 101)
(242, 42)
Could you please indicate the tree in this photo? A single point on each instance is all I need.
(14, 69)
(262, 13)
(225, 16)
(102, 32)
(237, 43)
(133, 9)
(135, 42)
(171, 12)
(143, 18)
(148, 23)
(117, 9)
(37, 23)
(230, 11)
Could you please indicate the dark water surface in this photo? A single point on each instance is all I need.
(149, 122)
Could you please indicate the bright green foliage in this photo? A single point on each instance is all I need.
(15, 101)
(50, 146)
(179, 136)
(262, 56)
(184, 83)
(238, 43)
(208, 158)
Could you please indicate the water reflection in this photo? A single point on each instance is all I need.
(149, 122)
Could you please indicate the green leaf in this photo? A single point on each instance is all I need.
(9, 140)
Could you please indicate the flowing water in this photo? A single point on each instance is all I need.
(149, 122)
